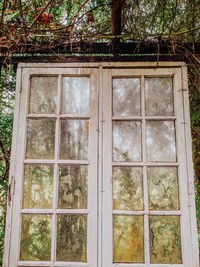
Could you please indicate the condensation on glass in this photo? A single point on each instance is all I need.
(40, 139)
(72, 187)
(127, 141)
(163, 188)
(74, 139)
(127, 188)
(159, 96)
(43, 95)
(160, 189)
(126, 97)
(39, 178)
(162, 182)
(72, 238)
(160, 138)
(38, 187)
(165, 241)
(35, 237)
(76, 95)
(128, 239)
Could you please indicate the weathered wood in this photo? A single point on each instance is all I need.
(101, 74)
(12, 256)
(140, 64)
(89, 48)
(116, 17)
(190, 170)
(116, 24)
(81, 59)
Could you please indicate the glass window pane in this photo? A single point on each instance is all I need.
(73, 187)
(159, 96)
(40, 139)
(75, 95)
(128, 239)
(163, 188)
(72, 238)
(160, 141)
(35, 238)
(74, 139)
(126, 97)
(127, 141)
(38, 186)
(127, 188)
(43, 95)
(165, 241)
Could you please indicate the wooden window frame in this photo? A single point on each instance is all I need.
(101, 134)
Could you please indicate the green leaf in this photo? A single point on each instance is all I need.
(14, 15)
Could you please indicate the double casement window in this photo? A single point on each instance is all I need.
(101, 172)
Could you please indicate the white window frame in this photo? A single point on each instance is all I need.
(100, 158)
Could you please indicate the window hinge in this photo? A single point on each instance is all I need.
(182, 89)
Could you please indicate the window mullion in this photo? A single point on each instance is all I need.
(107, 248)
(92, 172)
(56, 173)
(145, 183)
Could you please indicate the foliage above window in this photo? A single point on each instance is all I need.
(37, 27)
(29, 25)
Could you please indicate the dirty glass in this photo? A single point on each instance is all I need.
(72, 187)
(163, 188)
(165, 241)
(75, 95)
(128, 235)
(74, 139)
(38, 186)
(159, 97)
(40, 139)
(72, 238)
(126, 141)
(127, 188)
(126, 97)
(160, 138)
(35, 238)
(43, 95)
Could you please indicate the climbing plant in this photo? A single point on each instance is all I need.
(7, 94)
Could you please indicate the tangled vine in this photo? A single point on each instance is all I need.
(36, 27)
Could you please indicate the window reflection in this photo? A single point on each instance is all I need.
(38, 187)
(160, 138)
(159, 97)
(75, 95)
(126, 97)
(127, 141)
(74, 139)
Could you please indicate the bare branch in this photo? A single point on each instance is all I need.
(3, 10)
(39, 14)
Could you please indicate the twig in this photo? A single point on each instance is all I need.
(39, 14)
(14, 2)
(76, 15)
(3, 9)
(22, 16)
(198, 133)
(173, 19)
(48, 13)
